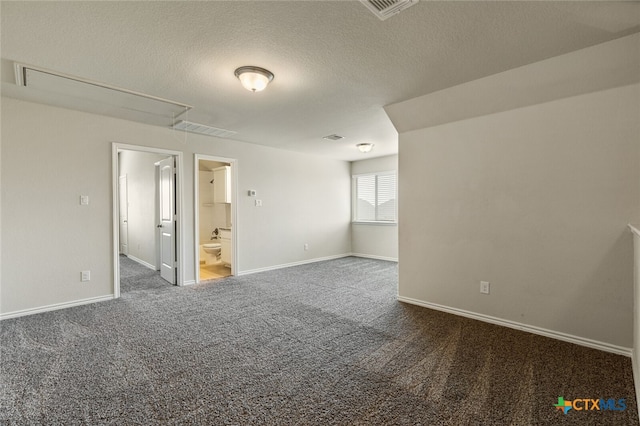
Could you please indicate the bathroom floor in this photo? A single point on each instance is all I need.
(212, 272)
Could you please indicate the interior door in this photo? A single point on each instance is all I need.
(167, 226)
(124, 214)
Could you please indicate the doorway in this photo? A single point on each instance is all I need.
(147, 208)
(216, 227)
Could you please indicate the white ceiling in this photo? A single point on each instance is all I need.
(336, 65)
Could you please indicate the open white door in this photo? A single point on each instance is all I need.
(124, 215)
(167, 227)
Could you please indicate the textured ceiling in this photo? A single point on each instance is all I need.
(335, 64)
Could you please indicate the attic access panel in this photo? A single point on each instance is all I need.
(84, 95)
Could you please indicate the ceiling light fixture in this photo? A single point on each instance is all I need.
(365, 147)
(254, 79)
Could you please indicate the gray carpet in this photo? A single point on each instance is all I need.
(318, 344)
(136, 277)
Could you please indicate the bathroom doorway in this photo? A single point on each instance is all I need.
(216, 227)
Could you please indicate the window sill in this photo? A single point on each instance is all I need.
(374, 223)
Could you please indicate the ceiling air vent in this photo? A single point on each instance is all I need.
(333, 137)
(202, 129)
(384, 9)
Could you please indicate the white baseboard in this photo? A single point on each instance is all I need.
(288, 265)
(190, 282)
(620, 350)
(55, 307)
(142, 262)
(373, 256)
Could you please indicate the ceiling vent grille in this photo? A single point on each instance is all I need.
(384, 9)
(333, 137)
(202, 129)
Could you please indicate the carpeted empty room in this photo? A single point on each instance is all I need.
(323, 343)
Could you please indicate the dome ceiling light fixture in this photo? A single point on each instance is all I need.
(254, 79)
(365, 147)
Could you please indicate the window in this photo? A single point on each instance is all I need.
(374, 197)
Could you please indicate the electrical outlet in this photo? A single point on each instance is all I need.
(306, 247)
(84, 200)
(484, 287)
(85, 276)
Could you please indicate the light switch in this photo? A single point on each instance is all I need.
(84, 200)
(258, 203)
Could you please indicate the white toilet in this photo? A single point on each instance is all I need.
(213, 249)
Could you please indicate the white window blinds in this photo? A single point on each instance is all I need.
(375, 197)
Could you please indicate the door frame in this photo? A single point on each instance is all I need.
(117, 147)
(234, 210)
(120, 226)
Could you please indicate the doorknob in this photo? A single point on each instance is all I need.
(159, 226)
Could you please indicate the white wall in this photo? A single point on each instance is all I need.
(140, 169)
(533, 200)
(377, 241)
(51, 156)
(211, 215)
(206, 207)
(532, 194)
(600, 67)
